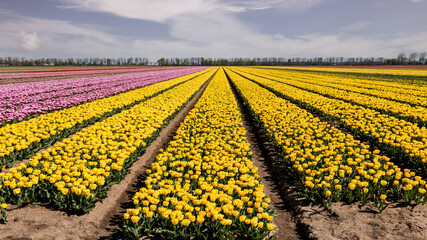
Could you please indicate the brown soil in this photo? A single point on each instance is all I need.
(39, 221)
(350, 221)
(285, 224)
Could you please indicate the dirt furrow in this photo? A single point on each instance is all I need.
(286, 228)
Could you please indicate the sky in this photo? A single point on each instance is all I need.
(212, 28)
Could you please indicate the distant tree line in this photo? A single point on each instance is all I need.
(413, 58)
(131, 61)
(402, 59)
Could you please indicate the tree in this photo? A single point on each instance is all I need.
(130, 61)
(70, 61)
(161, 61)
(401, 58)
(413, 57)
(422, 58)
(144, 61)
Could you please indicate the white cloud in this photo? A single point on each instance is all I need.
(251, 5)
(357, 26)
(299, 4)
(5, 11)
(314, 45)
(414, 42)
(30, 41)
(36, 33)
(417, 1)
(31, 37)
(166, 10)
(191, 20)
(158, 11)
(198, 28)
(209, 28)
(222, 37)
(55, 27)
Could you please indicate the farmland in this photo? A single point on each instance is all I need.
(35, 74)
(213, 153)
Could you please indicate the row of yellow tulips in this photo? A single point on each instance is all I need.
(21, 140)
(312, 83)
(362, 82)
(413, 94)
(203, 185)
(3, 206)
(402, 139)
(367, 71)
(77, 172)
(328, 164)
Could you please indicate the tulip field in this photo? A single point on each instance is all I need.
(330, 164)
(12, 74)
(343, 137)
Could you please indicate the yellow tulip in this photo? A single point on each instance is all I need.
(134, 219)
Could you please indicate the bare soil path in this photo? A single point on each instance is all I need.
(285, 224)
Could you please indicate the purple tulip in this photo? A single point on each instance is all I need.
(20, 100)
(70, 72)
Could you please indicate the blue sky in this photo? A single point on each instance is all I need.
(212, 28)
